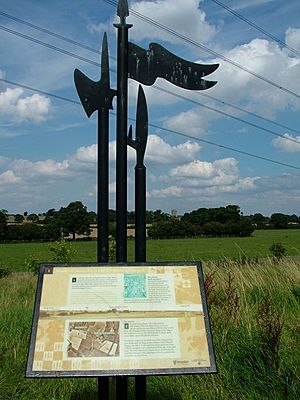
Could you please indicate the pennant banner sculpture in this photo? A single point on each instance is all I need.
(144, 66)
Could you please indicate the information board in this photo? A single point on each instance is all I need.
(120, 319)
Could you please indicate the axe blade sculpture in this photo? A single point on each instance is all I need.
(98, 96)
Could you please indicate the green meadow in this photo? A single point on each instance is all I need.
(198, 249)
(254, 305)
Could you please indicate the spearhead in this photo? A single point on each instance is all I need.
(123, 10)
(140, 142)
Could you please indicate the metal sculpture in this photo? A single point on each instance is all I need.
(98, 96)
(144, 66)
(139, 144)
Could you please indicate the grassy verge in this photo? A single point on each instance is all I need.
(255, 318)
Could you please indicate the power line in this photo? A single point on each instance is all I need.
(162, 128)
(69, 40)
(225, 147)
(260, 29)
(226, 114)
(248, 112)
(206, 49)
(51, 33)
(58, 49)
(49, 46)
(40, 91)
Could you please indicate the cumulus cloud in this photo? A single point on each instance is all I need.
(292, 38)
(266, 59)
(8, 177)
(33, 108)
(237, 86)
(160, 152)
(40, 169)
(286, 144)
(87, 154)
(194, 119)
(205, 179)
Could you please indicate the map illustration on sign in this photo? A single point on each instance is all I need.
(135, 286)
(100, 320)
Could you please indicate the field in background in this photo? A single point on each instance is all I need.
(255, 319)
(200, 249)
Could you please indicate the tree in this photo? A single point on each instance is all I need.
(75, 219)
(279, 221)
(33, 218)
(3, 226)
(19, 218)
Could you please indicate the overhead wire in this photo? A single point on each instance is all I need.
(207, 50)
(69, 40)
(257, 27)
(48, 32)
(49, 46)
(163, 128)
(68, 53)
(228, 115)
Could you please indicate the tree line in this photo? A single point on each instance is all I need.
(76, 219)
(71, 220)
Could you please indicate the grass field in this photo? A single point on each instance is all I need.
(255, 319)
(254, 309)
(202, 249)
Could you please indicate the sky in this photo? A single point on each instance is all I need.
(48, 146)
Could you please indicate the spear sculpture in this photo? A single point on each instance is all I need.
(139, 144)
(98, 96)
(122, 129)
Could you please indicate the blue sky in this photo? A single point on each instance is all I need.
(48, 146)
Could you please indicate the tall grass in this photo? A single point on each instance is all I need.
(254, 309)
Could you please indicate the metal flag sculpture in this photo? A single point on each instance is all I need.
(98, 96)
(145, 66)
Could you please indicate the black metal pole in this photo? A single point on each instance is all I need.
(140, 213)
(140, 206)
(102, 191)
(102, 213)
(121, 158)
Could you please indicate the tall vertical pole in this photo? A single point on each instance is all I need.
(102, 213)
(121, 158)
(122, 110)
(102, 192)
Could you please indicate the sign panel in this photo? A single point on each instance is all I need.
(120, 319)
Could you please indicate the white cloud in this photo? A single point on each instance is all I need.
(202, 178)
(40, 169)
(169, 192)
(194, 120)
(286, 144)
(87, 154)
(33, 108)
(160, 152)
(292, 38)
(189, 20)
(8, 177)
(268, 60)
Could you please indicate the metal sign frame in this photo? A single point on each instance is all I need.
(45, 268)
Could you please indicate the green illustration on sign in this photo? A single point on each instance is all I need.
(135, 286)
